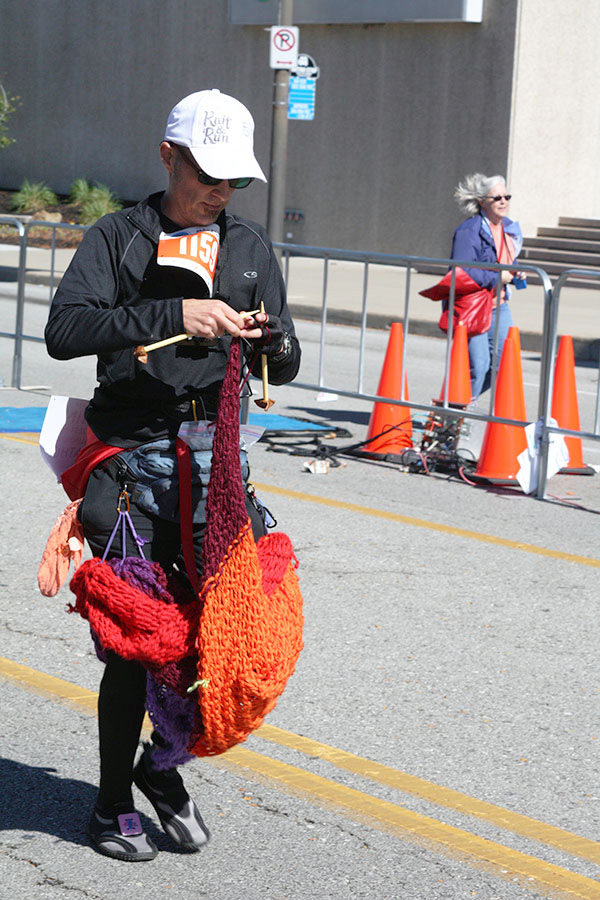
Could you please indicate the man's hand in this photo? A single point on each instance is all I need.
(268, 336)
(213, 318)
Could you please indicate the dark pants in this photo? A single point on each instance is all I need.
(121, 701)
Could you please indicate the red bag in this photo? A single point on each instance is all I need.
(473, 305)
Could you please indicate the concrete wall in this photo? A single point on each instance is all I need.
(97, 79)
(555, 130)
(403, 111)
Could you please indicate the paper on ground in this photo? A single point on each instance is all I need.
(529, 459)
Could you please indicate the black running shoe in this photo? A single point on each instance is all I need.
(118, 833)
(178, 814)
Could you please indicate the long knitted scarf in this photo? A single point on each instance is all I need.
(242, 634)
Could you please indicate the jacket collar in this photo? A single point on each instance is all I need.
(511, 228)
(145, 216)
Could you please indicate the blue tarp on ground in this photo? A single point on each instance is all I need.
(30, 419)
(273, 422)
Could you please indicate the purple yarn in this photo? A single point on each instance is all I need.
(173, 718)
(148, 577)
(98, 647)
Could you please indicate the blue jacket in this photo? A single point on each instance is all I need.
(473, 240)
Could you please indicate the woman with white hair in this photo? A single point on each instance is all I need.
(488, 235)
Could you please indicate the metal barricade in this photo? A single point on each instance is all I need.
(18, 336)
(410, 264)
(549, 354)
(22, 235)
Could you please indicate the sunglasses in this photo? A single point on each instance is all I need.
(500, 197)
(203, 178)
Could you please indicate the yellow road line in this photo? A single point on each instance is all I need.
(48, 685)
(431, 526)
(20, 440)
(501, 860)
(434, 793)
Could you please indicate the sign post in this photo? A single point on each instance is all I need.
(283, 57)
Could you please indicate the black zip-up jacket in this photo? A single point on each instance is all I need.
(114, 296)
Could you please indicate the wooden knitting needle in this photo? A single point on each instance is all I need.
(265, 401)
(141, 353)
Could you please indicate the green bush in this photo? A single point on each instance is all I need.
(99, 201)
(8, 105)
(80, 191)
(32, 197)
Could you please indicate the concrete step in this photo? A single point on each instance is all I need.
(563, 244)
(582, 234)
(567, 257)
(579, 223)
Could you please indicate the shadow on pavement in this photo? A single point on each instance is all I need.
(345, 415)
(36, 799)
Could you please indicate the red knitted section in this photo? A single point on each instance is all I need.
(249, 641)
(130, 622)
(275, 553)
(225, 505)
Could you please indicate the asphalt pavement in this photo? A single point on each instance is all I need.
(447, 693)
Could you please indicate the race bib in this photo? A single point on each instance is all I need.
(191, 249)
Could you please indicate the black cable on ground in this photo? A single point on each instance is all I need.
(417, 460)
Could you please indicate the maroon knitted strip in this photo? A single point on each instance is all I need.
(226, 512)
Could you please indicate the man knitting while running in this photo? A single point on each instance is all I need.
(175, 263)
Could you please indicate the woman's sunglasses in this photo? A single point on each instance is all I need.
(203, 178)
(500, 197)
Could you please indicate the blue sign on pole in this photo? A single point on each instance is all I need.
(302, 93)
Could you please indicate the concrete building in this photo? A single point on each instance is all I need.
(404, 109)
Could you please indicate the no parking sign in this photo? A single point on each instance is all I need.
(284, 46)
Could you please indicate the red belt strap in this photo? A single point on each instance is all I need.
(185, 511)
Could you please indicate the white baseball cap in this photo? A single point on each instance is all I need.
(219, 131)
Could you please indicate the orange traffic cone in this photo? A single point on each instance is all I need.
(502, 443)
(565, 408)
(459, 387)
(385, 417)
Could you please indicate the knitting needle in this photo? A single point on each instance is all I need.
(141, 353)
(264, 402)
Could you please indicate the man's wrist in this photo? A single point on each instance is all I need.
(286, 349)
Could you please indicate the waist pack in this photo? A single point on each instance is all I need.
(152, 473)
